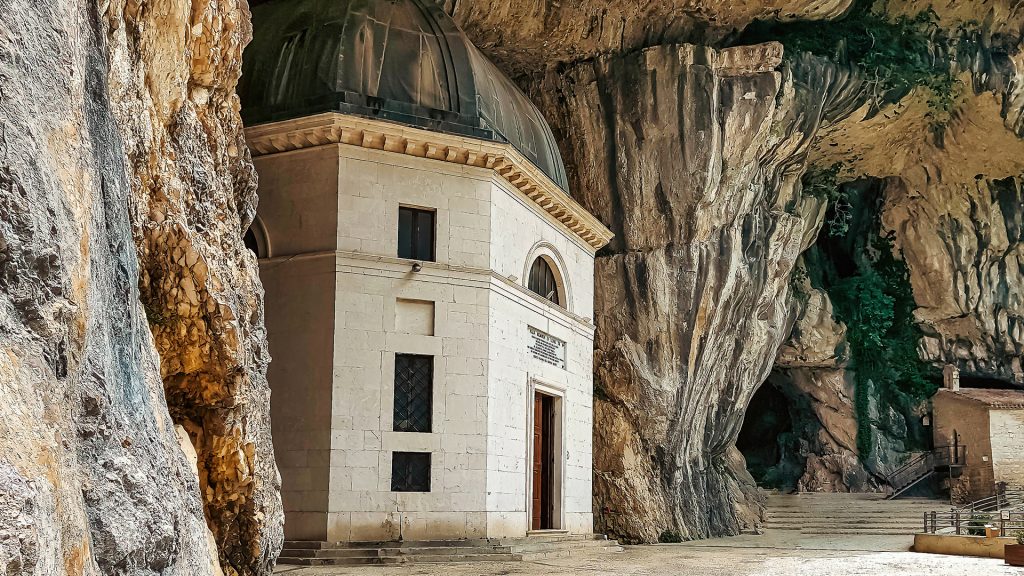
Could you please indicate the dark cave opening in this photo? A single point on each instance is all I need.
(986, 382)
(768, 440)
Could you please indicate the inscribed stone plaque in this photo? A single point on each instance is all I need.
(546, 348)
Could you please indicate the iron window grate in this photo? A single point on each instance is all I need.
(542, 280)
(414, 393)
(410, 472)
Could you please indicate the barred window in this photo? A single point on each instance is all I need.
(414, 392)
(542, 280)
(410, 472)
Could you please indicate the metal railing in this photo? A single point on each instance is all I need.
(924, 464)
(1004, 511)
(1007, 499)
(916, 467)
(955, 455)
(973, 523)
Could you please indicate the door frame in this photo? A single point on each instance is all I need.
(536, 386)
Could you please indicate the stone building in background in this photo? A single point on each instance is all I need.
(985, 427)
(429, 281)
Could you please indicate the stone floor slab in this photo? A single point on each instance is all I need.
(772, 554)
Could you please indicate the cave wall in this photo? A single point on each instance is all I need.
(575, 31)
(641, 159)
(135, 405)
(964, 245)
(693, 157)
(811, 371)
(131, 315)
(961, 244)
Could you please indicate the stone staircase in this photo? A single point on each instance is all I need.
(866, 514)
(438, 551)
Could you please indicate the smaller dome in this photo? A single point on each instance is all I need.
(400, 60)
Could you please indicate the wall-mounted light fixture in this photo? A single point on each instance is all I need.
(416, 266)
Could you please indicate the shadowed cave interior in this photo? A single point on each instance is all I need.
(768, 439)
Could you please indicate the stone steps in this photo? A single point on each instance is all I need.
(440, 551)
(850, 529)
(826, 522)
(848, 514)
(540, 550)
(537, 538)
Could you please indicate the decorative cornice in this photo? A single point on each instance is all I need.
(503, 159)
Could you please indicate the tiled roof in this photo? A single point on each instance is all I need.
(1012, 399)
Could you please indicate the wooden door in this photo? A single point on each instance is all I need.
(538, 461)
(547, 478)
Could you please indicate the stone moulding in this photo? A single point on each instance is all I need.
(397, 267)
(502, 158)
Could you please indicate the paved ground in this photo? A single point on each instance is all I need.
(774, 554)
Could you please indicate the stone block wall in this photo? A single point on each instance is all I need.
(1007, 432)
(373, 185)
(298, 203)
(300, 330)
(518, 236)
(298, 208)
(377, 297)
(469, 310)
(521, 231)
(970, 420)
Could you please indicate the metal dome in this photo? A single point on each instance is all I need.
(400, 60)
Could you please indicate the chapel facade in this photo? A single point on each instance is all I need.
(983, 428)
(429, 281)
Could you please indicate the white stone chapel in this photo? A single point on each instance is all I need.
(429, 281)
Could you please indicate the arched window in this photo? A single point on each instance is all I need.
(256, 239)
(251, 243)
(542, 280)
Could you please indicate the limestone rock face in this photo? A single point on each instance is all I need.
(964, 246)
(817, 340)
(128, 304)
(821, 406)
(692, 156)
(952, 206)
(810, 371)
(526, 36)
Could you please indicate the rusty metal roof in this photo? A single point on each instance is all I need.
(404, 61)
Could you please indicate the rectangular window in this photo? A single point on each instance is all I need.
(410, 472)
(414, 392)
(416, 234)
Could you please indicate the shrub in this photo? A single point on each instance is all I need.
(1020, 537)
(873, 297)
(976, 525)
(824, 183)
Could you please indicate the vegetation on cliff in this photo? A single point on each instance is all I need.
(896, 54)
(869, 285)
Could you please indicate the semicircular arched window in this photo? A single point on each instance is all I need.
(542, 280)
(256, 239)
